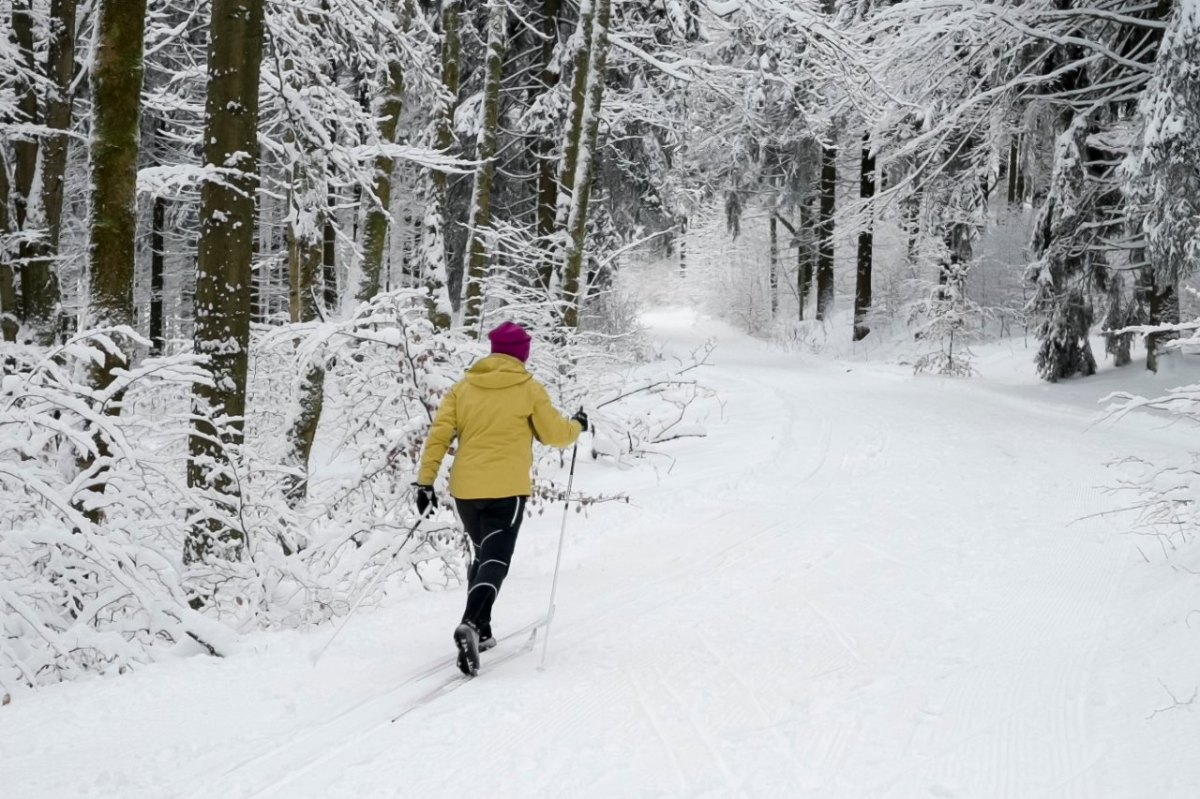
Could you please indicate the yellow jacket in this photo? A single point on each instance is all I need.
(495, 411)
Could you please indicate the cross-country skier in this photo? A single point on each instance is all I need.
(495, 412)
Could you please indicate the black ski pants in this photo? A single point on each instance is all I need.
(492, 526)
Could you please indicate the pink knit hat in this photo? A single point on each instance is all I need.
(510, 339)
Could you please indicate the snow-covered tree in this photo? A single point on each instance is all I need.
(116, 109)
(1163, 177)
(223, 270)
(41, 86)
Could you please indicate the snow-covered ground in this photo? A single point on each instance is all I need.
(860, 584)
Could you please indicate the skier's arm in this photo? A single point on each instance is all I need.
(550, 426)
(445, 427)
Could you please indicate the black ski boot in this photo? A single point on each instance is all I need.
(466, 638)
(486, 640)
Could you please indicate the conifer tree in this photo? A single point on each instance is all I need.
(1164, 180)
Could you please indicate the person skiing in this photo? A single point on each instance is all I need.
(495, 412)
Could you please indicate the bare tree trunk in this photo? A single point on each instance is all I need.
(866, 244)
(1164, 310)
(39, 274)
(158, 264)
(39, 286)
(306, 278)
(1019, 181)
(116, 90)
(25, 150)
(485, 154)
(433, 269)
(378, 221)
(223, 271)
(587, 155)
(303, 432)
(773, 258)
(544, 147)
(305, 239)
(683, 226)
(1014, 166)
(805, 260)
(825, 231)
(329, 277)
(116, 112)
(9, 312)
(572, 136)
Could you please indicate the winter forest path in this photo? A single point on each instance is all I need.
(860, 584)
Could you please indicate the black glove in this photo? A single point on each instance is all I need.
(426, 499)
(582, 418)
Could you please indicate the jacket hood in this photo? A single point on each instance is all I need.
(497, 371)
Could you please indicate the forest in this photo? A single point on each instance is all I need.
(239, 237)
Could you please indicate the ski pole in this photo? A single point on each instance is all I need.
(562, 534)
(315, 657)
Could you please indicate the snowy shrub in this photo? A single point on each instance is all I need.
(97, 508)
(90, 568)
(946, 319)
(93, 575)
(806, 335)
(646, 406)
(1168, 492)
(386, 369)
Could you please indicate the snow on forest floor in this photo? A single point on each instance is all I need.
(860, 584)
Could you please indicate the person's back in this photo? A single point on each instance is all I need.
(495, 412)
(498, 409)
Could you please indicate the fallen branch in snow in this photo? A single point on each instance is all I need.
(1175, 703)
(707, 349)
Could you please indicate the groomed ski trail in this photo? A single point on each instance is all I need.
(860, 584)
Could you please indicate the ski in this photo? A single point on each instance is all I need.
(457, 680)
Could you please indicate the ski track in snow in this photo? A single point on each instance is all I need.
(861, 584)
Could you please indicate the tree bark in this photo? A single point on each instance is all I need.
(306, 285)
(158, 264)
(433, 267)
(378, 221)
(39, 275)
(9, 312)
(683, 226)
(1164, 310)
(116, 111)
(825, 231)
(305, 265)
(116, 91)
(773, 259)
(42, 212)
(303, 432)
(805, 260)
(25, 149)
(866, 244)
(587, 155)
(485, 154)
(223, 270)
(329, 278)
(1014, 169)
(306, 245)
(572, 137)
(547, 189)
